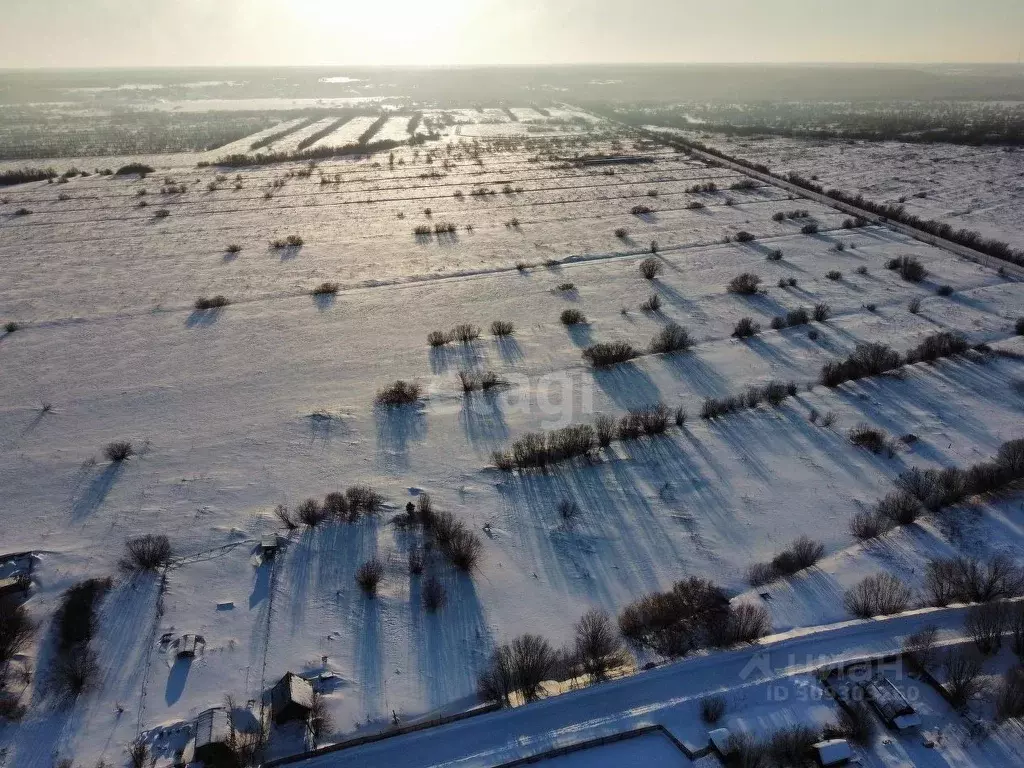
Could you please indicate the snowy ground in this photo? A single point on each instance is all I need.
(981, 188)
(270, 401)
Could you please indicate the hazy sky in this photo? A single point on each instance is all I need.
(79, 33)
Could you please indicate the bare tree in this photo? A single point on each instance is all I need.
(522, 666)
(879, 595)
(919, 648)
(985, 624)
(597, 644)
(1010, 694)
(963, 677)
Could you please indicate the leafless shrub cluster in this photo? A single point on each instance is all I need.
(746, 284)
(908, 267)
(695, 613)
(671, 338)
(118, 450)
(398, 394)
(474, 380)
(971, 580)
(874, 440)
(773, 393)
(650, 268)
(536, 450)
(879, 595)
(146, 553)
(802, 553)
(607, 354)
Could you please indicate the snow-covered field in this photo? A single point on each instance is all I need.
(269, 401)
(981, 188)
(347, 133)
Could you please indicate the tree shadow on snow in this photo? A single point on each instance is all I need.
(396, 428)
(176, 680)
(202, 318)
(509, 349)
(482, 419)
(92, 497)
(627, 385)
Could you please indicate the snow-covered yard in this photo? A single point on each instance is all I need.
(270, 401)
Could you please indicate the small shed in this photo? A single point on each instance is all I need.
(833, 752)
(291, 699)
(268, 545)
(891, 705)
(189, 645)
(213, 737)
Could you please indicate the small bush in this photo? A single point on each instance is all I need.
(438, 338)
(914, 306)
(434, 595)
(919, 648)
(502, 328)
(399, 393)
(868, 525)
(822, 312)
(746, 327)
(465, 333)
(335, 507)
(146, 553)
(603, 355)
(325, 289)
(745, 284)
(311, 513)
(695, 205)
(809, 229)
(880, 595)
(1018, 326)
(712, 708)
(204, 303)
(774, 255)
(759, 574)
(874, 440)
(944, 290)
(369, 576)
(161, 213)
(941, 344)
(671, 338)
(834, 274)
(650, 268)
(861, 270)
(140, 169)
(76, 670)
(596, 645)
(464, 549)
(640, 210)
(744, 237)
(282, 513)
(604, 429)
(11, 326)
(653, 304)
(520, 666)
(908, 267)
(566, 287)
(622, 233)
(233, 248)
(118, 450)
(572, 317)
(900, 508)
(866, 360)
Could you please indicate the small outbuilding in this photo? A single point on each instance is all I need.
(213, 737)
(891, 705)
(833, 752)
(291, 699)
(189, 646)
(268, 545)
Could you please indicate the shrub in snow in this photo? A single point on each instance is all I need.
(880, 595)
(213, 302)
(671, 338)
(793, 745)
(310, 513)
(325, 289)
(502, 328)
(963, 677)
(363, 499)
(572, 317)
(1010, 695)
(369, 576)
(899, 508)
(621, 233)
(146, 553)
(919, 648)
(676, 622)
(119, 450)
(746, 284)
(602, 355)
(986, 624)
(908, 267)
(650, 268)
(397, 394)
(746, 327)
(712, 708)
(653, 304)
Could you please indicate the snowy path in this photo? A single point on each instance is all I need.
(652, 697)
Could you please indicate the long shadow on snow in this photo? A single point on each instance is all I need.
(91, 498)
(202, 318)
(701, 377)
(369, 654)
(482, 420)
(396, 428)
(627, 385)
(453, 644)
(509, 349)
(456, 355)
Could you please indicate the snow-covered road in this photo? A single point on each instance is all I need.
(653, 697)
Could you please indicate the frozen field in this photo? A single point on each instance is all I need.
(981, 188)
(347, 133)
(270, 401)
